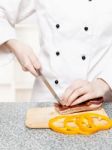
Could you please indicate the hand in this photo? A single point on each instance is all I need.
(82, 90)
(25, 56)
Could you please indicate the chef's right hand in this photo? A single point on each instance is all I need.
(25, 56)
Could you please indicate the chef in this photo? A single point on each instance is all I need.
(75, 51)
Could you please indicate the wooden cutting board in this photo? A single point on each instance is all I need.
(39, 117)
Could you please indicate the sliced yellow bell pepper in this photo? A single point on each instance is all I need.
(63, 129)
(92, 126)
(74, 119)
(82, 124)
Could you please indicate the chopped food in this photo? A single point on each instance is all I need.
(86, 124)
(85, 106)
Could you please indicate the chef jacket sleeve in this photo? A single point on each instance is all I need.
(106, 71)
(12, 12)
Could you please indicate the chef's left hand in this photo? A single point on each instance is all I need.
(82, 90)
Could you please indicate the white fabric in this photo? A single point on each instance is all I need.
(70, 39)
(12, 12)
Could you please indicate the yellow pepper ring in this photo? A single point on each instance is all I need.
(105, 118)
(65, 130)
(93, 128)
(88, 128)
(108, 125)
(77, 119)
(58, 129)
(66, 121)
(71, 119)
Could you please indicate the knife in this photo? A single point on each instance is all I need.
(45, 81)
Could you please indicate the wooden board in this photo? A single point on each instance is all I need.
(39, 117)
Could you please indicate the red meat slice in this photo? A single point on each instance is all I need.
(90, 105)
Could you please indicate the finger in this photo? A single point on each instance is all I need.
(76, 85)
(66, 95)
(30, 68)
(35, 62)
(77, 93)
(24, 69)
(83, 98)
(33, 71)
(69, 91)
(61, 100)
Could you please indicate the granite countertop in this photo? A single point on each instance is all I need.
(15, 136)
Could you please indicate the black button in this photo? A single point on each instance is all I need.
(86, 28)
(57, 53)
(83, 57)
(56, 81)
(90, 0)
(57, 26)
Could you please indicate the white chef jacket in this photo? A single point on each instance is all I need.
(75, 39)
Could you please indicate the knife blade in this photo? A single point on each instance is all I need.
(45, 81)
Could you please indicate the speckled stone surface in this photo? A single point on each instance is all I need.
(15, 136)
